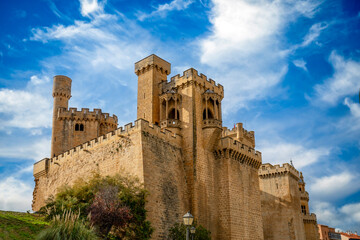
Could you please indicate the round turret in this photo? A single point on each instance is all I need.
(62, 86)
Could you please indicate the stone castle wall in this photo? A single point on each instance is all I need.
(140, 150)
(280, 203)
(311, 227)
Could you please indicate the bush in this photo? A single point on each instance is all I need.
(126, 195)
(178, 232)
(68, 226)
(108, 211)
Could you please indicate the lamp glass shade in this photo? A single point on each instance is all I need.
(192, 230)
(188, 219)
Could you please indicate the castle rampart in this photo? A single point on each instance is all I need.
(191, 76)
(239, 151)
(267, 170)
(241, 134)
(85, 115)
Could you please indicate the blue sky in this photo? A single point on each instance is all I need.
(290, 69)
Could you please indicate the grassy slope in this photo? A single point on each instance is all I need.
(16, 225)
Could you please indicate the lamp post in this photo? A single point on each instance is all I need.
(188, 220)
(192, 230)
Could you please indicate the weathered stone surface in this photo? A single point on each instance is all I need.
(180, 151)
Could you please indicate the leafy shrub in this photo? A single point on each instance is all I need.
(68, 226)
(178, 232)
(126, 195)
(108, 211)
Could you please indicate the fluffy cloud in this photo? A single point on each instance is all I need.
(35, 150)
(336, 186)
(16, 194)
(24, 109)
(284, 152)
(344, 82)
(346, 217)
(245, 47)
(354, 107)
(163, 9)
(88, 7)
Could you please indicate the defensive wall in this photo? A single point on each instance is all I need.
(241, 134)
(143, 150)
(280, 202)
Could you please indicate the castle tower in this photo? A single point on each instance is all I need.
(151, 71)
(72, 127)
(61, 94)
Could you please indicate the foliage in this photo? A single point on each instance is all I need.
(108, 211)
(178, 232)
(68, 226)
(18, 226)
(81, 197)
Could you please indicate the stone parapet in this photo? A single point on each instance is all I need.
(42, 167)
(229, 147)
(309, 218)
(304, 196)
(85, 115)
(268, 170)
(212, 123)
(240, 133)
(170, 123)
(152, 61)
(191, 76)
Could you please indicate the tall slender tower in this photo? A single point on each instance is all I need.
(151, 71)
(61, 94)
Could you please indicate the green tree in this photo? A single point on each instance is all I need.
(80, 199)
(178, 232)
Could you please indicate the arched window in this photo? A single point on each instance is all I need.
(171, 114)
(210, 114)
(79, 127)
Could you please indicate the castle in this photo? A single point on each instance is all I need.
(183, 155)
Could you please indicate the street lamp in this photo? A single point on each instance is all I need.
(192, 230)
(188, 220)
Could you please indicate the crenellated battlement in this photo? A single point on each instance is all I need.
(240, 133)
(232, 148)
(309, 218)
(268, 170)
(85, 115)
(42, 166)
(191, 76)
(152, 61)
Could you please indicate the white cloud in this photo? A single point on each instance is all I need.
(354, 107)
(88, 7)
(352, 210)
(334, 187)
(245, 48)
(24, 109)
(35, 149)
(313, 33)
(163, 9)
(346, 217)
(284, 152)
(16, 194)
(107, 44)
(344, 82)
(300, 63)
